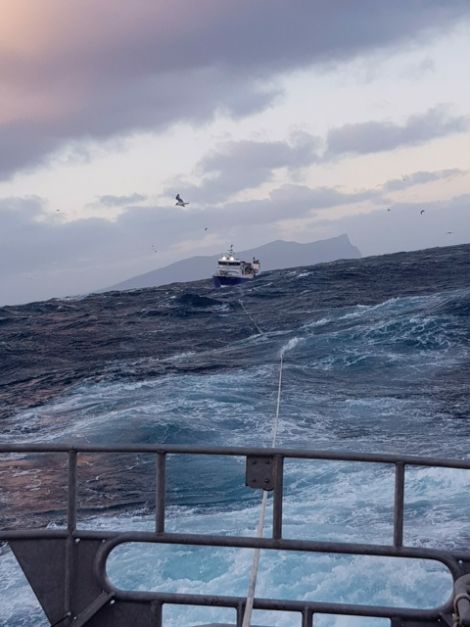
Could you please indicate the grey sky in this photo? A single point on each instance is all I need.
(146, 64)
(418, 178)
(74, 252)
(295, 120)
(236, 166)
(380, 136)
(108, 200)
(405, 228)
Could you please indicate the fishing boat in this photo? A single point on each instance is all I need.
(233, 271)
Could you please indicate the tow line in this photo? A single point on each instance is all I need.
(262, 515)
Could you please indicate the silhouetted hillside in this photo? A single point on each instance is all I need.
(277, 254)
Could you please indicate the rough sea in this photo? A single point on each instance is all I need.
(376, 359)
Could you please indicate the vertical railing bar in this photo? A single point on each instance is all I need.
(72, 492)
(156, 609)
(307, 617)
(278, 496)
(399, 504)
(71, 526)
(160, 495)
(240, 614)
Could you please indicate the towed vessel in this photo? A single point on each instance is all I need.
(233, 271)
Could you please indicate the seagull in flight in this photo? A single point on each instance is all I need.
(421, 212)
(205, 228)
(389, 209)
(180, 202)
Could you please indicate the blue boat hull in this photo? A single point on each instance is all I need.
(227, 281)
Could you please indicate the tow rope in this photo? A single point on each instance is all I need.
(260, 528)
(257, 327)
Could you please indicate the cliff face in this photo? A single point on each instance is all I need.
(278, 254)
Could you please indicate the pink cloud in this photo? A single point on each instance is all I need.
(96, 68)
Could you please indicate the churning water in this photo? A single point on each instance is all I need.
(376, 359)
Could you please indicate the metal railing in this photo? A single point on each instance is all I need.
(90, 598)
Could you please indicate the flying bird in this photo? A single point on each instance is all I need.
(205, 228)
(449, 232)
(421, 212)
(180, 202)
(389, 209)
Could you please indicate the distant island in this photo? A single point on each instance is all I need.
(275, 255)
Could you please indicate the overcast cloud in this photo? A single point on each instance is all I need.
(372, 137)
(237, 166)
(41, 258)
(108, 200)
(443, 223)
(420, 178)
(31, 238)
(106, 67)
(74, 75)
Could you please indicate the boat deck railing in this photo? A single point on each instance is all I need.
(67, 567)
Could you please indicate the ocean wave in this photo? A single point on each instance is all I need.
(375, 358)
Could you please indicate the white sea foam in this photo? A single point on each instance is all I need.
(291, 344)
(325, 404)
(18, 606)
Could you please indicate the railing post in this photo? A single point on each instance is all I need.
(307, 618)
(160, 493)
(240, 613)
(156, 610)
(72, 491)
(399, 504)
(71, 526)
(278, 496)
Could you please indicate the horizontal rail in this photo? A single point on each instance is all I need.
(253, 542)
(110, 539)
(282, 605)
(381, 458)
(113, 538)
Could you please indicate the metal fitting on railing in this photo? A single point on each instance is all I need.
(461, 614)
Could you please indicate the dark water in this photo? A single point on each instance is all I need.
(376, 359)
(48, 348)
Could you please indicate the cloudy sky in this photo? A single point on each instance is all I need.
(298, 120)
